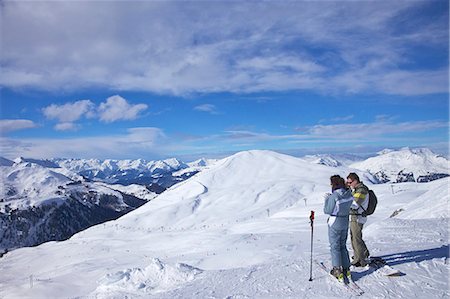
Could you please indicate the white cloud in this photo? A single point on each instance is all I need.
(393, 82)
(69, 112)
(136, 143)
(280, 62)
(323, 46)
(67, 126)
(338, 119)
(117, 108)
(361, 132)
(150, 142)
(415, 82)
(145, 135)
(367, 131)
(9, 125)
(207, 108)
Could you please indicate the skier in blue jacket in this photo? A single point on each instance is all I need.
(337, 205)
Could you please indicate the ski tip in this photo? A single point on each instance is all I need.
(395, 274)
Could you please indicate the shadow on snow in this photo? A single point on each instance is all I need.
(416, 256)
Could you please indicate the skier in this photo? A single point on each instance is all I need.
(361, 200)
(337, 205)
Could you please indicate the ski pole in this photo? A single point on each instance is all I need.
(311, 219)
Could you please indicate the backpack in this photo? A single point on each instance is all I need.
(373, 201)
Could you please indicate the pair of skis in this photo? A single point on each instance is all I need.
(377, 263)
(348, 282)
(382, 267)
(350, 285)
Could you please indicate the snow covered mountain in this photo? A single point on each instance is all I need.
(35, 192)
(127, 172)
(200, 163)
(405, 165)
(333, 160)
(327, 160)
(241, 229)
(39, 204)
(193, 168)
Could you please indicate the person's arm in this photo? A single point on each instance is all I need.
(329, 205)
(360, 195)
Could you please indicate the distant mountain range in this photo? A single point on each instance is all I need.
(124, 172)
(394, 166)
(43, 200)
(405, 165)
(333, 160)
(242, 222)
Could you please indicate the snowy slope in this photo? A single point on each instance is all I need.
(27, 184)
(389, 163)
(240, 230)
(42, 201)
(138, 191)
(253, 182)
(38, 204)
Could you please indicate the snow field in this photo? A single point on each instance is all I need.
(241, 230)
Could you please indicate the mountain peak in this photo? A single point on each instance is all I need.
(385, 151)
(40, 162)
(412, 161)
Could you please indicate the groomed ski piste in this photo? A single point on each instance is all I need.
(241, 229)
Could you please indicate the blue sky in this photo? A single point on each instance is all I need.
(150, 79)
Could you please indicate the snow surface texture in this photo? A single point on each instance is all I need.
(240, 229)
(139, 191)
(156, 277)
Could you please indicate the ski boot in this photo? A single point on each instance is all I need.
(348, 274)
(337, 272)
